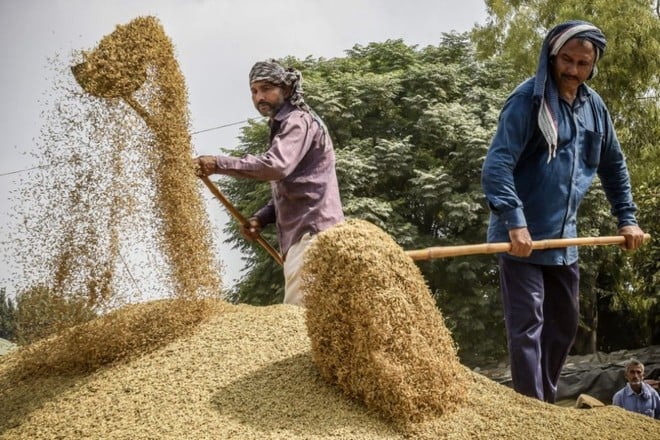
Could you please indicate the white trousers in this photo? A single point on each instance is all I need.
(293, 263)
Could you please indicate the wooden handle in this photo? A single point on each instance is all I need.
(240, 218)
(494, 248)
(214, 189)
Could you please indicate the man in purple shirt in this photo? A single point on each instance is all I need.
(300, 166)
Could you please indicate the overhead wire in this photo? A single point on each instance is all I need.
(192, 134)
(123, 261)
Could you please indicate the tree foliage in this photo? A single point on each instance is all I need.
(41, 312)
(7, 316)
(410, 127)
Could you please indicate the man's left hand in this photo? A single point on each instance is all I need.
(634, 237)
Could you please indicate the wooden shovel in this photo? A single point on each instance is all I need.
(494, 248)
(240, 218)
(214, 189)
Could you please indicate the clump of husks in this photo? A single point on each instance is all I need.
(119, 191)
(374, 328)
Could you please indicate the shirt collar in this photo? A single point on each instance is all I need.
(282, 113)
(643, 393)
(584, 92)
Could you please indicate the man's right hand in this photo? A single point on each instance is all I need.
(634, 237)
(521, 242)
(251, 230)
(205, 166)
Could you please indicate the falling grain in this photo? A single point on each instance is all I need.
(139, 58)
(119, 189)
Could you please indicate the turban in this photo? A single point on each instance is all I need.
(546, 95)
(273, 72)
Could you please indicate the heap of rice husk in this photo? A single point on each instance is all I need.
(247, 373)
(374, 327)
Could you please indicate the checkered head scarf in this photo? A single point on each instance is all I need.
(546, 95)
(274, 73)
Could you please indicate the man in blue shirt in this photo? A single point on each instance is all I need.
(554, 135)
(637, 396)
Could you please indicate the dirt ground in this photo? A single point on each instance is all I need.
(247, 373)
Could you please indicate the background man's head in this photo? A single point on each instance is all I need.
(634, 373)
(271, 85)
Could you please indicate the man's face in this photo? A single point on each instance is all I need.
(267, 97)
(572, 65)
(635, 374)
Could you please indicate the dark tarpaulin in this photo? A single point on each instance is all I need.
(599, 375)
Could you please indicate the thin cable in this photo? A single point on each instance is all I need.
(27, 169)
(130, 274)
(193, 133)
(221, 126)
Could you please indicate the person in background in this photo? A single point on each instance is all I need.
(299, 164)
(637, 396)
(554, 135)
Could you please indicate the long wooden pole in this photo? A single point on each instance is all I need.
(494, 248)
(214, 189)
(240, 218)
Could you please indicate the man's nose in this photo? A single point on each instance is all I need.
(571, 68)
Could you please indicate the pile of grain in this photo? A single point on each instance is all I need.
(200, 368)
(375, 329)
(247, 373)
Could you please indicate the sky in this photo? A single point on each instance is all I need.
(216, 43)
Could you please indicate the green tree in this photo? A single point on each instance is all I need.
(629, 82)
(410, 127)
(41, 312)
(7, 316)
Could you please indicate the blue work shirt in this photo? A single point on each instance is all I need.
(647, 402)
(523, 189)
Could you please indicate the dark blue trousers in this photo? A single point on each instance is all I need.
(541, 312)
